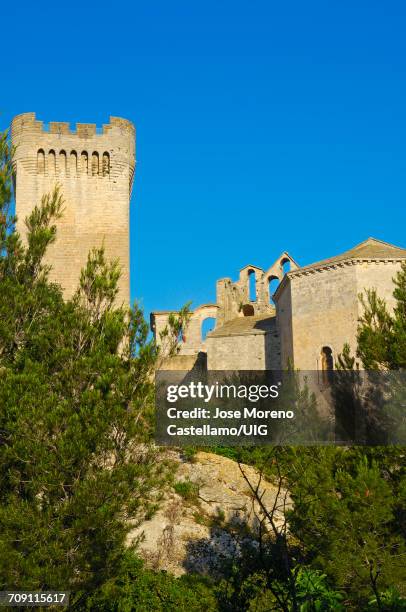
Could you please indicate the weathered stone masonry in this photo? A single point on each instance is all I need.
(305, 321)
(95, 169)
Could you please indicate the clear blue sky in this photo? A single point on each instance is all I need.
(262, 126)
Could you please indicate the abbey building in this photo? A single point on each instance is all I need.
(286, 314)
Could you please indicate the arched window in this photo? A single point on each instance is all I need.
(41, 161)
(285, 264)
(62, 162)
(207, 326)
(327, 364)
(273, 284)
(252, 286)
(73, 163)
(95, 163)
(84, 162)
(106, 164)
(51, 162)
(248, 310)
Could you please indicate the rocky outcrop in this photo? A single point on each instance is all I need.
(209, 516)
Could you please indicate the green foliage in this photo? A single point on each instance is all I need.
(382, 335)
(76, 393)
(345, 361)
(5, 188)
(345, 515)
(175, 332)
(388, 601)
(186, 489)
(313, 592)
(347, 525)
(253, 592)
(135, 588)
(77, 397)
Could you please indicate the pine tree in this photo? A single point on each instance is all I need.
(381, 337)
(399, 324)
(76, 395)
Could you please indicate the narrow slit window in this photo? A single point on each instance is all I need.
(51, 162)
(95, 164)
(106, 164)
(41, 161)
(62, 162)
(73, 163)
(84, 162)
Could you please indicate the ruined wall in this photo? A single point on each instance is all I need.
(244, 352)
(317, 310)
(233, 298)
(95, 170)
(253, 337)
(193, 342)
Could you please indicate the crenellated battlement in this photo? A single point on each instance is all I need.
(55, 149)
(27, 122)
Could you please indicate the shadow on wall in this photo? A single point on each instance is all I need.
(272, 343)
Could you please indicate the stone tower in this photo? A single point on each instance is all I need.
(95, 169)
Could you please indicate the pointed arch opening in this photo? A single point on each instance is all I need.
(95, 163)
(73, 163)
(84, 162)
(62, 162)
(285, 265)
(51, 162)
(106, 164)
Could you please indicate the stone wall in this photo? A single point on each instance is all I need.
(192, 342)
(253, 337)
(284, 323)
(245, 352)
(320, 307)
(378, 274)
(95, 169)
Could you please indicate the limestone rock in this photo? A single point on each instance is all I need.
(214, 524)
